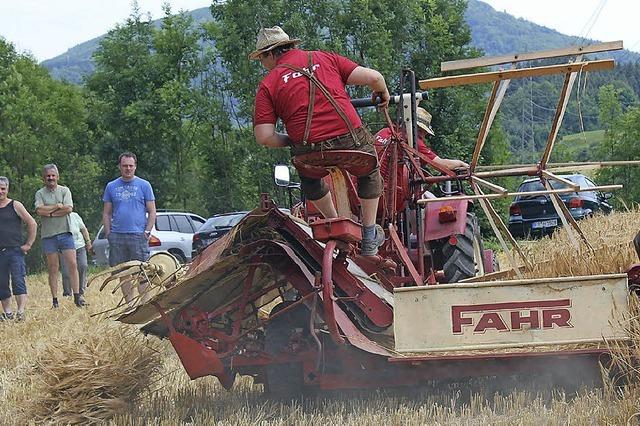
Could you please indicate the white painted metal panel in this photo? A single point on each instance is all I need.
(505, 314)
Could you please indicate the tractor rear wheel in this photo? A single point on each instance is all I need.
(465, 259)
(285, 380)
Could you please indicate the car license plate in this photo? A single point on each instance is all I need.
(544, 224)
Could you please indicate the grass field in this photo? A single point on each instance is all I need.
(65, 366)
(578, 146)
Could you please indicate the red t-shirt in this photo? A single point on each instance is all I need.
(284, 94)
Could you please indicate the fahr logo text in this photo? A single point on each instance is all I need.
(511, 316)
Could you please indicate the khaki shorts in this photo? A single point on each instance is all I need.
(369, 185)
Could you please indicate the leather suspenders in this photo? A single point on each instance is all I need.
(313, 83)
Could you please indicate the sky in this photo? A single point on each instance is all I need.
(47, 28)
(604, 20)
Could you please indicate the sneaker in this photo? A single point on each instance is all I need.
(8, 317)
(21, 316)
(370, 247)
(55, 304)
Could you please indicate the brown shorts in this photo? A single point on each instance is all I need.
(369, 186)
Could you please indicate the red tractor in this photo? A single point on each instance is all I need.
(287, 299)
(441, 239)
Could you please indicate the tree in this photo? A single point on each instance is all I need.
(610, 107)
(145, 98)
(43, 121)
(620, 143)
(124, 114)
(181, 104)
(530, 104)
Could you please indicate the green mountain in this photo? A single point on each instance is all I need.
(496, 33)
(76, 62)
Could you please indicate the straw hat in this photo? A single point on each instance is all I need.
(424, 120)
(269, 38)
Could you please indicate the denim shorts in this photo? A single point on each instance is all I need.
(126, 247)
(58, 243)
(12, 265)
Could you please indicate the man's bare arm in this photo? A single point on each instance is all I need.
(85, 234)
(49, 210)
(450, 164)
(32, 226)
(266, 135)
(107, 210)
(362, 76)
(62, 211)
(87, 238)
(151, 215)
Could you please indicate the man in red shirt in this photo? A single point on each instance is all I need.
(383, 137)
(331, 122)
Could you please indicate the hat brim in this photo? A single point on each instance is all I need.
(426, 128)
(256, 53)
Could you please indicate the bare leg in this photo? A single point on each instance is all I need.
(52, 268)
(326, 207)
(127, 290)
(6, 305)
(69, 257)
(21, 300)
(369, 211)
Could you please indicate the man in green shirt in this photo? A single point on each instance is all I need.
(53, 205)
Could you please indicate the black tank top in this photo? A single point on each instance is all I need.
(10, 227)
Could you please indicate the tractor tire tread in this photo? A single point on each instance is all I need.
(460, 262)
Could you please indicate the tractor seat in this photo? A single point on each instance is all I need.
(316, 164)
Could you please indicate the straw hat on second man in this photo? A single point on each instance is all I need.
(424, 120)
(270, 38)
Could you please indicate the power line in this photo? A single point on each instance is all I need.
(566, 112)
(628, 52)
(588, 26)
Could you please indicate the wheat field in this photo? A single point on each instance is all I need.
(67, 367)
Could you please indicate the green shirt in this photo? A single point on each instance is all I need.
(52, 226)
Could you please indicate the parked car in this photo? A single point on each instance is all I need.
(535, 215)
(214, 228)
(172, 232)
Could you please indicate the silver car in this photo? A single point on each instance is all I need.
(172, 232)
